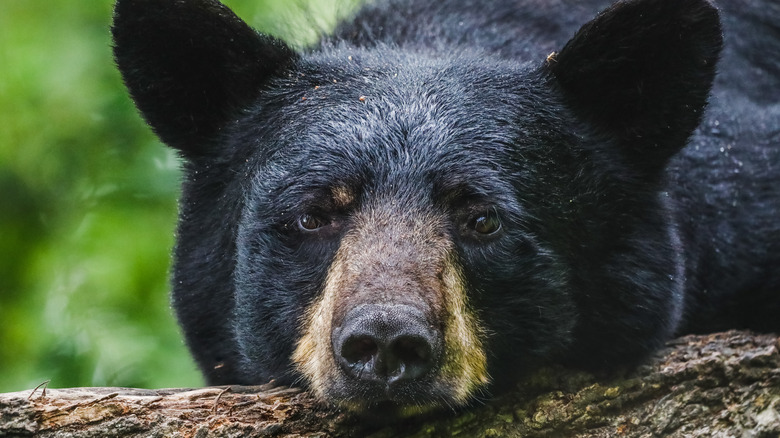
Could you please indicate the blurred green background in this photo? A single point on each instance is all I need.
(88, 201)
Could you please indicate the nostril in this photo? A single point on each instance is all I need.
(413, 356)
(359, 350)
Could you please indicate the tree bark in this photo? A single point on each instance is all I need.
(719, 385)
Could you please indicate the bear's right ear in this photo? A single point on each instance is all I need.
(191, 65)
(641, 72)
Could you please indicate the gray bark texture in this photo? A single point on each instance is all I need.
(719, 385)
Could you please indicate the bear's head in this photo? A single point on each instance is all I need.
(397, 227)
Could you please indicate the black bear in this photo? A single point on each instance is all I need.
(441, 195)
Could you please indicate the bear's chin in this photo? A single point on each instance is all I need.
(380, 402)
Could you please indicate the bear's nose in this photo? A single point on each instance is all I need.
(386, 343)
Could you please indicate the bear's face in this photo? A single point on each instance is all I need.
(384, 226)
(398, 227)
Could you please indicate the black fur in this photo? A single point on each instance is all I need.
(629, 214)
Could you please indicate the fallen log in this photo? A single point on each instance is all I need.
(723, 385)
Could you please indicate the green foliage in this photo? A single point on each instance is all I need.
(88, 202)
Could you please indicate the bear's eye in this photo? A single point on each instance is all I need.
(486, 223)
(310, 222)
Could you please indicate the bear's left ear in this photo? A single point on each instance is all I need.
(191, 66)
(641, 72)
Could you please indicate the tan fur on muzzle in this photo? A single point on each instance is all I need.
(364, 251)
